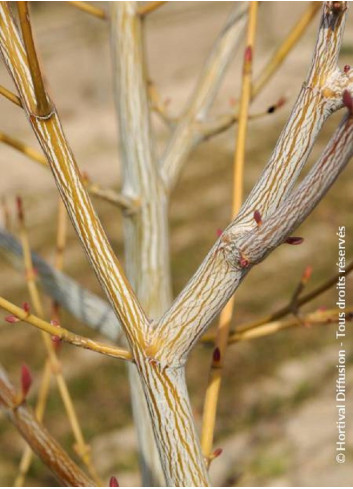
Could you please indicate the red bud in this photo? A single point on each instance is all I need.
(113, 482)
(12, 319)
(257, 217)
(347, 101)
(294, 240)
(26, 380)
(346, 68)
(26, 307)
(219, 232)
(248, 54)
(56, 341)
(216, 355)
(243, 262)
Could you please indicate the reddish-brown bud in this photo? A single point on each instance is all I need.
(12, 319)
(26, 380)
(216, 355)
(248, 54)
(346, 68)
(257, 217)
(219, 232)
(26, 307)
(56, 341)
(113, 482)
(348, 101)
(217, 452)
(243, 262)
(294, 240)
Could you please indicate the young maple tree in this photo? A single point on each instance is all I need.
(157, 333)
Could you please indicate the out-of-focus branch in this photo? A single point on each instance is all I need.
(186, 135)
(62, 333)
(283, 50)
(89, 9)
(80, 302)
(41, 442)
(127, 204)
(211, 128)
(310, 319)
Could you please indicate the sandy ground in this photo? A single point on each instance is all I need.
(277, 416)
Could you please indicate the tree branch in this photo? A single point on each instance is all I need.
(51, 137)
(80, 302)
(62, 333)
(128, 205)
(41, 442)
(244, 243)
(186, 136)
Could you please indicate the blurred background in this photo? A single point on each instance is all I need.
(277, 415)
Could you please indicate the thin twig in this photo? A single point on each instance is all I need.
(10, 96)
(128, 205)
(215, 378)
(223, 122)
(89, 9)
(82, 448)
(313, 318)
(283, 311)
(63, 334)
(43, 105)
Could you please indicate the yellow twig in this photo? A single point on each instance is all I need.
(317, 317)
(213, 388)
(63, 334)
(81, 447)
(149, 8)
(10, 96)
(286, 46)
(128, 205)
(287, 309)
(43, 105)
(89, 9)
